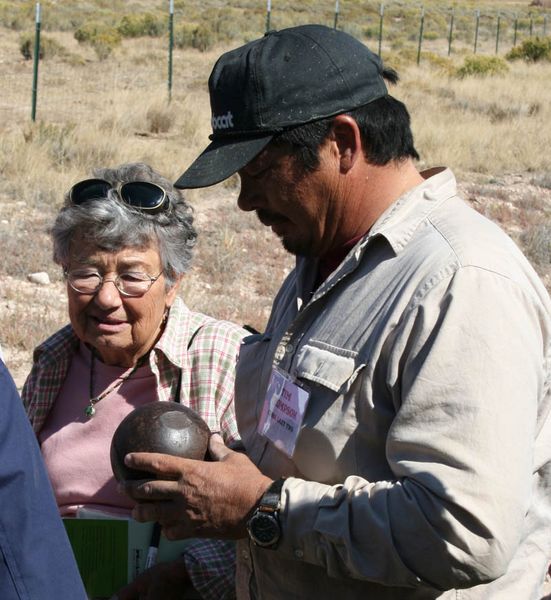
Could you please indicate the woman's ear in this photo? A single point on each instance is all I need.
(173, 292)
(346, 135)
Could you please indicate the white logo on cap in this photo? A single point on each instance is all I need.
(222, 121)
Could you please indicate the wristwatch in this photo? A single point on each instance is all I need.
(264, 527)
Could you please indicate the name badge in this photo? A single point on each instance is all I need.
(283, 411)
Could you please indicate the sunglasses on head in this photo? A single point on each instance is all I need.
(142, 195)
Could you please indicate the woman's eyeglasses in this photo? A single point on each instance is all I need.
(141, 195)
(131, 283)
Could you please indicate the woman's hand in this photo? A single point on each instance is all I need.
(193, 498)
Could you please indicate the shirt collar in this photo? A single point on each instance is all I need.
(174, 338)
(396, 225)
(400, 220)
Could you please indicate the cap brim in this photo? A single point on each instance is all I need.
(221, 159)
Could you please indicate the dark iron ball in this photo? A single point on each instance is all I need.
(165, 427)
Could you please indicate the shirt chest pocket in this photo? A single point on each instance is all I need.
(325, 449)
(329, 366)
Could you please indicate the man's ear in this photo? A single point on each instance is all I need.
(346, 135)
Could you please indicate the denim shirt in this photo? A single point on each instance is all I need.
(422, 469)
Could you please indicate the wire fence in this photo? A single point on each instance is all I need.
(38, 88)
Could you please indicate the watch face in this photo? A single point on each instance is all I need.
(264, 529)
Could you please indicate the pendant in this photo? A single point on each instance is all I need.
(90, 411)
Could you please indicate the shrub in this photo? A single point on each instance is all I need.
(543, 180)
(196, 36)
(431, 35)
(532, 50)
(140, 25)
(402, 56)
(371, 33)
(104, 43)
(55, 141)
(101, 37)
(48, 47)
(442, 63)
(16, 16)
(226, 23)
(183, 35)
(482, 66)
(537, 244)
(160, 118)
(88, 32)
(204, 38)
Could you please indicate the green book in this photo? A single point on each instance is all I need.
(111, 552)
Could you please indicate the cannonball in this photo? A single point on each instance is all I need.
(165, 427)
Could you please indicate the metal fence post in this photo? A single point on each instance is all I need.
(170, 46)
(421, 34)
(450, 37)
(476, 30)
(336, 14)
(531, 25)
(36, 61)
(381, 16)
(497, 32)
(515, 31)
(268, 14)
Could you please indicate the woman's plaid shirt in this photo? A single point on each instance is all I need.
(199, 347)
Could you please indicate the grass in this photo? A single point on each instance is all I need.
(537, 243)
(239, 265)
(493, 127)
(101, 111)
(29, 313)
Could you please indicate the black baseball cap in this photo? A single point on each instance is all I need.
(284, 79)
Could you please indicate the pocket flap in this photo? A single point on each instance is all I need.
(335, 368)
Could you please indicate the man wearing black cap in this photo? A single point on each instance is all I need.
(395, 413)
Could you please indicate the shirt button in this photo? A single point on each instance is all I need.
(244, 554)
(298, 553)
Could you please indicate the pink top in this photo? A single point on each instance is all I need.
(69, 439)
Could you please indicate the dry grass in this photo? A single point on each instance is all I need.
(239, 264)
(493, 125)
(493, 132)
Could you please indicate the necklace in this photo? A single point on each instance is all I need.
(90, 410)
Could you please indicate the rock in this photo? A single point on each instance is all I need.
(41, 278)
(165, 427)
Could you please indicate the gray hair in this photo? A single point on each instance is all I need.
(112, 225)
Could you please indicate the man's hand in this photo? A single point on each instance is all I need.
(167, 580)
(193, 498)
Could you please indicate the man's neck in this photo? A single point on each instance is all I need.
(385, 184)
(372, 190)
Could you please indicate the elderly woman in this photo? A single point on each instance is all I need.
(124, 240)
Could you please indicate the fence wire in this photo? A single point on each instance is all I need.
(389, 27)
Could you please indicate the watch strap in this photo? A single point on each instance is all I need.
(270, 501)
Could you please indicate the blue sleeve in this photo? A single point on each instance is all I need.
(36, 560)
